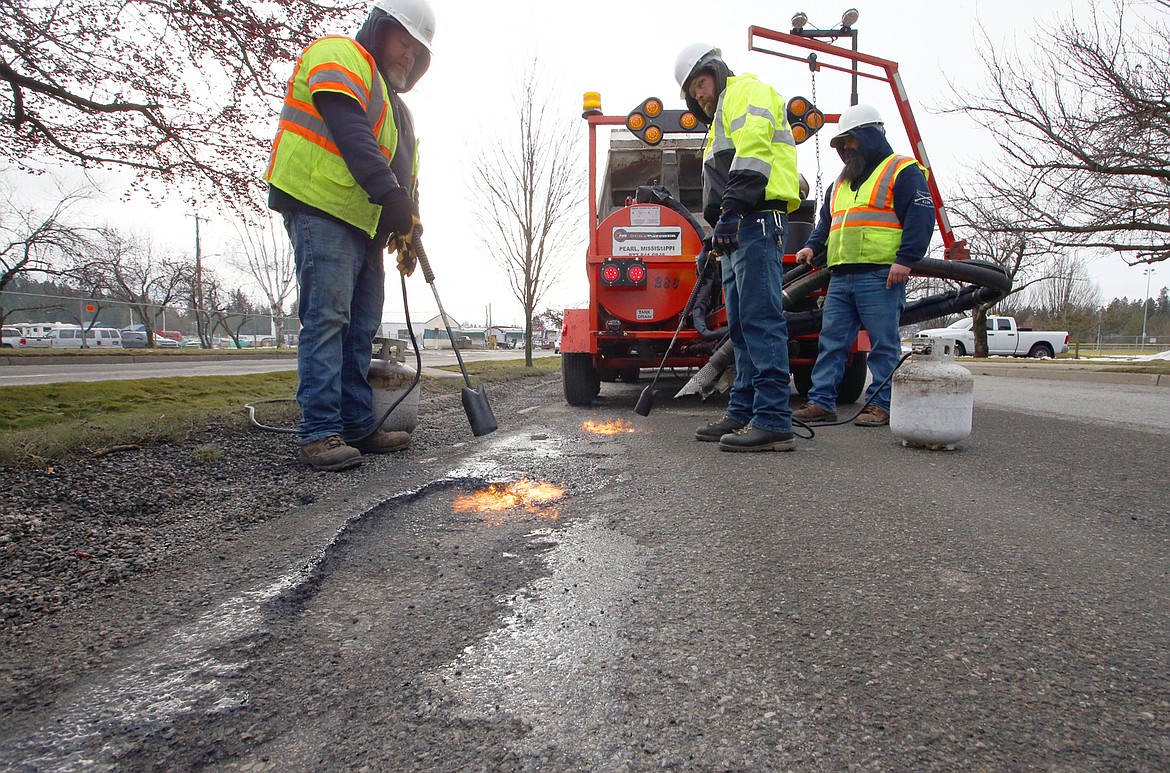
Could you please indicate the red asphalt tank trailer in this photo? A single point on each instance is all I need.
(641, 258)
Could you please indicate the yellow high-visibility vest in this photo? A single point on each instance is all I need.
(865, 228)
(305, 163)
(751, 121)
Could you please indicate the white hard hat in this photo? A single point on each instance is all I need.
(415, 16)
(688, 62)
(854, 118)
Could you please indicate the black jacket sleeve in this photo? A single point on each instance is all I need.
(350, 129)
(914, 207)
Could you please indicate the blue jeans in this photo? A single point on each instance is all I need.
(342, 286)
(855, 301)
(753, 278)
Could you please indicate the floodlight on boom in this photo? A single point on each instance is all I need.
(799, 21)
(849, 18)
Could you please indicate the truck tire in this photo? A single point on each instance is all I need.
(1040, 351)
(853, 381)
(960, 350)
(802, 380)
(580, 379)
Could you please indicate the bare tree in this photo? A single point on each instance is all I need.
(527, 188)
(1084, 122)
(266, 254)
(135, 276)
(169, 89)
(999, 233)
(1066, 285)
(38, 242)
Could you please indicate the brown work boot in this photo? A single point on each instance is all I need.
(382, 442)
(813, 412)
(330, 455)
(872, 416)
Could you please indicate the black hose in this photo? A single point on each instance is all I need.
(378, 424)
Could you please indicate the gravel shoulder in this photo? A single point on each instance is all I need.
(97, 552)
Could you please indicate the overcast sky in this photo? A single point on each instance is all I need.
(626, 51)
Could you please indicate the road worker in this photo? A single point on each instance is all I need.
(342, 173)
(877, 222)
(750, 185)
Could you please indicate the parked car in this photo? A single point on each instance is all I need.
(1004, 338)
(162, 342)
(191, 343)
(133, 339)
(73, 336)
(11, 338)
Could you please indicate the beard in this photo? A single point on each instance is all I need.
(854, 161)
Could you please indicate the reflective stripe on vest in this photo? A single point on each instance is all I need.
(865, 228)
(305, 162)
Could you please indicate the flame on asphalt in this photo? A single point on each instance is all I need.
(616, 427)
(511, 501)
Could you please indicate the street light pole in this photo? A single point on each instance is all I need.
(1146, 306)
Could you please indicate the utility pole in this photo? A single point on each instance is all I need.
(1146, 306)
(197, 295)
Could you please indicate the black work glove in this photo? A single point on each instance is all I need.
(398, 210)
(725, 239)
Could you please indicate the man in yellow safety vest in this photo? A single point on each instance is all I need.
(342, 172)
(876, 222)
(750, 184)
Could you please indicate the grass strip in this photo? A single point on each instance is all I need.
(44, 422)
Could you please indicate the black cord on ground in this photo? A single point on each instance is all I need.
(377, 425)
(812, 434)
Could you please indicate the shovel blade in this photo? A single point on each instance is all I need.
(645, 401)
(479, 413)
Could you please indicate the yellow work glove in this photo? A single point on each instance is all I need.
(403, 244)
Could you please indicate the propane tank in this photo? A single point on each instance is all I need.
(932, 397)
(390, 378)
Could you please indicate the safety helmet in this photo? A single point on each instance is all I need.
(690, 61)
(418, 19)
(854, 118)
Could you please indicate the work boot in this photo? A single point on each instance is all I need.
(382, 442)
(813, 412)
(330, 454)
(712, 432)
(751, 438)
(872, 416)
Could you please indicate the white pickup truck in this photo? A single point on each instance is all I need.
(1004, 338)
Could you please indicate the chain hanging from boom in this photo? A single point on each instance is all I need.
(812, 66)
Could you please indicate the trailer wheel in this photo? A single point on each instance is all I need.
(853, 381)
(803, 380)
(1040, 351)
(580, 379)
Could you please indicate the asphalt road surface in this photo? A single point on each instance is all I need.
(48, 370)
(855, 605)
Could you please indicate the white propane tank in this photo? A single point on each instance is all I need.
(390, 378)
(932, 397)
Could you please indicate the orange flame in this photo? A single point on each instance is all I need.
(493, 502)
(616, 427)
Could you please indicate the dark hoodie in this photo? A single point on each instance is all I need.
(913, 203)
(349, 128)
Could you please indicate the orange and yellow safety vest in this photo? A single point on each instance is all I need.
(305, 163)
(865, 228)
